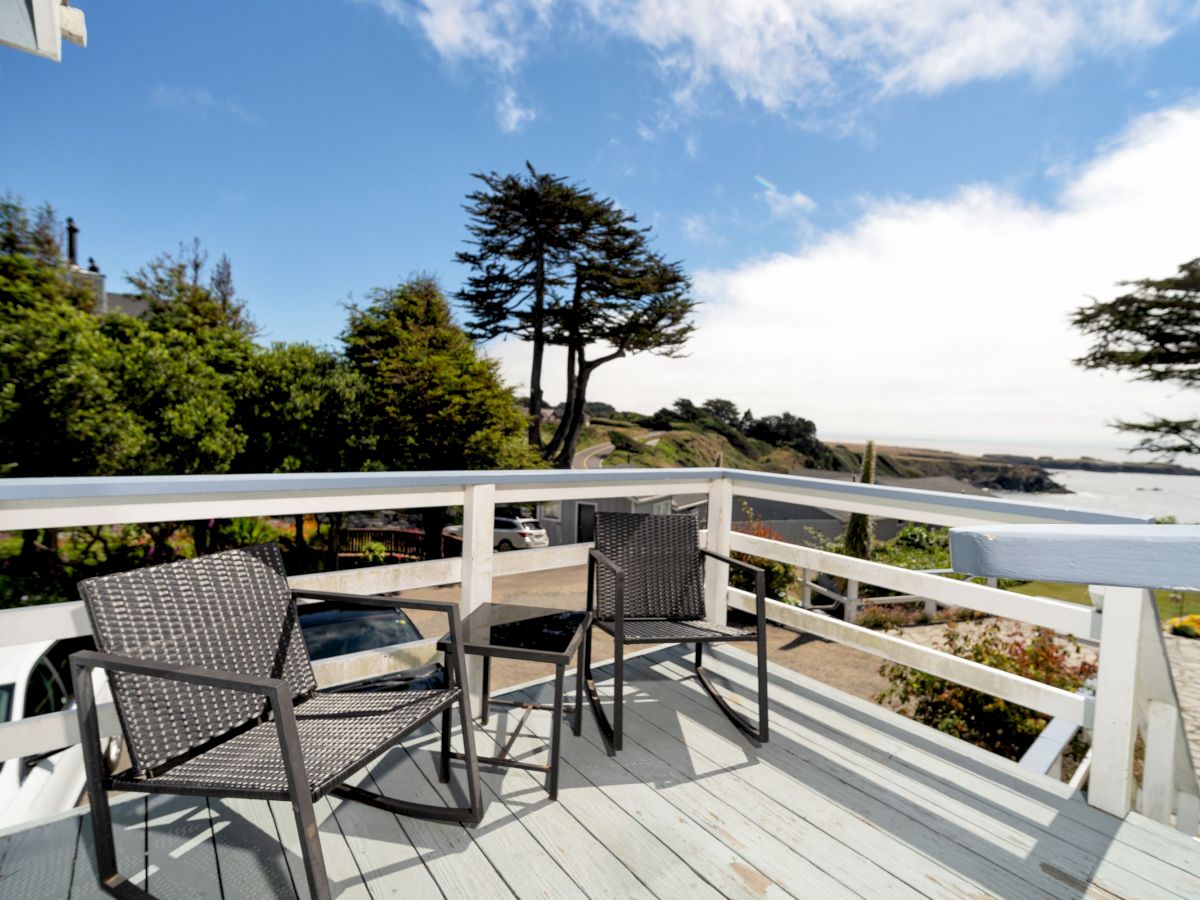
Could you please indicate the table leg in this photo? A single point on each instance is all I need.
(556, 732)
(577, 725)
(444, 768)
(486, 691)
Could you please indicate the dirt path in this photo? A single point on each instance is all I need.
(838, 666)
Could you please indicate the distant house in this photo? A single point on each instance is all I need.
(106, 301)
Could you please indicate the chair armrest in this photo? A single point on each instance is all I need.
(276, 690)
(741, 564)
(760, 581)
(153, 668)
(596, 556)
(606, 562)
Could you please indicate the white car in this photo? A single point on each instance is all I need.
(510, 533)
(34, 680)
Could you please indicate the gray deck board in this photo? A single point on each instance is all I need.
(1086, 852)
(1064, 853)
(847, 800)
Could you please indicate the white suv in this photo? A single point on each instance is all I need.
(510, 533)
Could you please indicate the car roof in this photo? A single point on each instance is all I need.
(18, 660)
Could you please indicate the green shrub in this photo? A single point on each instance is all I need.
(374, 552)
(983, 720)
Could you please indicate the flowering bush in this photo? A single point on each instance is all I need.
(1185, 626)
(780, 577)
(989, 722)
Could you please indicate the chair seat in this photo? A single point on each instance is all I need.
(339, 732)
(655, 631)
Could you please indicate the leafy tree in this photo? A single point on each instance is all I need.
(553, 263)
(1152, 332)
(303, 413)
(432, 401)
(172, 284)
(522, 229)
(85, 395)
(796, 432)
(686, 410)
(641, 310)
(859, 538)
(723, 411)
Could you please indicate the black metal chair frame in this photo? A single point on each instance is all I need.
(612, 732)
(278, 695)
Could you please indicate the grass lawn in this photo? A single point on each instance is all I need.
(1183, 604)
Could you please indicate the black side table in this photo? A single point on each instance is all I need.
(535, 634)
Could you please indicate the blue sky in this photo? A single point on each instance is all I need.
(917, 153)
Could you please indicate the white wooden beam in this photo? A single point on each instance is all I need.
(539, 559)
(1042, 697)
(717, 538)
(383, 579)
(1158, 774)
(479, 521)
(1111, 783)
(1057, 615)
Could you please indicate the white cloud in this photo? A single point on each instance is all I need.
(698, 229)
(944, 317)
(494, 32)
(784, 53)
(198, 101)
(800, 53)
(784, 206)
(511, 115)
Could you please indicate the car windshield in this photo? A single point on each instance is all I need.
(529, 523)
(334, 631)
(6, 697)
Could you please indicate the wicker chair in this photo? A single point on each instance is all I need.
(216, 697)
(646, 586)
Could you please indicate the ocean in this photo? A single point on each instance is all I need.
(1118, 492)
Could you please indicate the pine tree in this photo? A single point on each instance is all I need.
(1154, 333)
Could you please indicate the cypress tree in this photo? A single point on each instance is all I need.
(859, 539)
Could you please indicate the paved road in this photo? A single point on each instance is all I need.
(593, 457)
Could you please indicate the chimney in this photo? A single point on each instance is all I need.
(72, 231)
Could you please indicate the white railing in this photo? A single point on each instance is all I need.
(1135, 691)
(77, 502)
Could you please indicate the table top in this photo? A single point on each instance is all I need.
(516, 631)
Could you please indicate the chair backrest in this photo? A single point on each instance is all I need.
(231, 611)
(660, 556)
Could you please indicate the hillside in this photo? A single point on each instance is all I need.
(990, 472)
(687, 444)
(697, 447)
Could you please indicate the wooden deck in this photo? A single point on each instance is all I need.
(846, 800)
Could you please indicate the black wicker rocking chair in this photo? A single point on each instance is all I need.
(646, 586)
(216, 697)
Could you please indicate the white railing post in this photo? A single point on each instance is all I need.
(1111, 785)
(479, 521)
(716, 574)
(852, 604)
(1158, 774)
